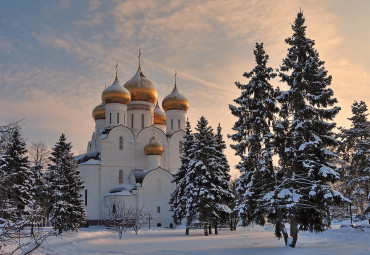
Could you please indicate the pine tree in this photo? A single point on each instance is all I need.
(355, 153)
(202, 192)
(16, 182)
(178, 199)
(67, 210)
(305, 137)
(221, 179)
(255, 112)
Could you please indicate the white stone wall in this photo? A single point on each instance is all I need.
(173, 119)
(111, 111)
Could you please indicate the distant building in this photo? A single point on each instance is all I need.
(134, 150)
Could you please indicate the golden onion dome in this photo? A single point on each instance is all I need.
(141, 88)
(153, 147)
(159, 115)
(99, 112)
(175, 100)
(115, 93)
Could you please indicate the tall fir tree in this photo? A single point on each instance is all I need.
(67, 210)
(305, 137)
(221, 176)
(16, 182)
(202, 191)
(355, 154)
(178, 197)
(255, 111)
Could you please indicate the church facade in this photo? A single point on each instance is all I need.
(134, 150)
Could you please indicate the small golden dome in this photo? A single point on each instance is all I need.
(141, 88)
(99, 112)
(159, 115)
(153, 147)
(115, 93)
(175, 100)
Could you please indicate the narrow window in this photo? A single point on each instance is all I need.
(142, 121)
(180, 147)
(171, 124)
(178, 123)
(117, 118)
(110, 118)
(132, 121)
(120, 176)
(124, 119)
(114, 208)
(85, 196)
(158, 209)
(120, 143)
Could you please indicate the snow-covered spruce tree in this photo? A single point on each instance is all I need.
(354, 150)
(202, 192)
(255, 111)
(178, 198)
(224, 196)
(67, 211)
(16, 181)
(305, 137)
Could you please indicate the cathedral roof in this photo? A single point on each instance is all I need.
(115, 93)
(175, 100)
(141, 88)
(153, 147)
(159, 115)
(98, 112)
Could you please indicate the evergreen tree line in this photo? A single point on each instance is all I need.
(33, 194)
(203, 193)
(290, 155)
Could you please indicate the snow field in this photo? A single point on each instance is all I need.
(256, 240)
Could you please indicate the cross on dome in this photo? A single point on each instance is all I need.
(139, 57)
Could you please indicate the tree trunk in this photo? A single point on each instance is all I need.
(205, 230)
(187, 228)
(293, 231)
(210, 229)
(282, 226)
(216, 230)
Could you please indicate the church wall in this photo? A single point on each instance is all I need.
(156, 192)
(174, 151)
(90, 176)
(175, 120)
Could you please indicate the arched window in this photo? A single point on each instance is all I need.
(124, 119)
(158, 209)
(142, 121)
(159, 224)
(110, 118)
(85, 196)
(132, 121)
(180, 147)
(120, 176)
(117, 118)
(171, 124)
(114, 208)
(178, 123)
(121, 143)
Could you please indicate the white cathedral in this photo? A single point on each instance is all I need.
(134, 150)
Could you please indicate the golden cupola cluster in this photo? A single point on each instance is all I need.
(115, 93)
(99, 112)
(159, 115)
(175, 100)
(153, 147)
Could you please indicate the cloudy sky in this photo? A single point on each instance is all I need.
(56, 56)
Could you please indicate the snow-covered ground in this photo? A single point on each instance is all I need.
(257, 240)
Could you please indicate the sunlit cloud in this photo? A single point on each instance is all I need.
(53, 73)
